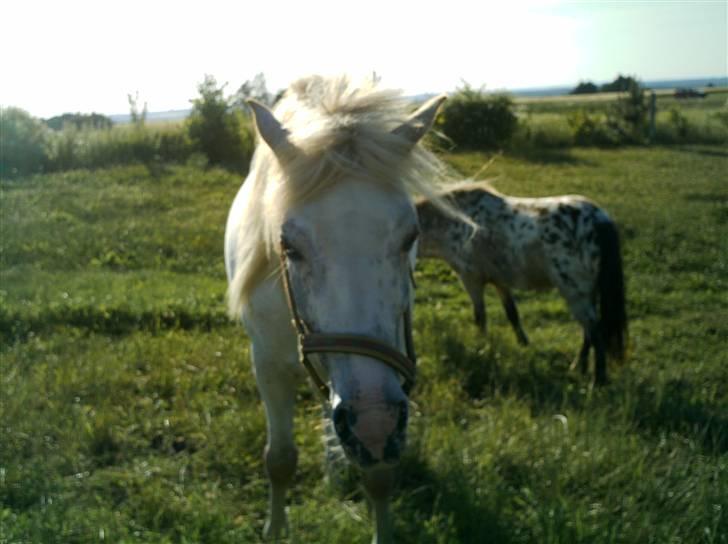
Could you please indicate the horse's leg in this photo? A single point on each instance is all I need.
(582, 360)
(584, 309)
(600, 357)
(379, 486)
(593, 337)
(475, 286)
(280, 455)
(509, 305)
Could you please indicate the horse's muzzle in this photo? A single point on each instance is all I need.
(371, 435)
(374, 435)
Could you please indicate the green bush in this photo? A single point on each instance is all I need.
(678, 124)
(721, 116)
(474, 120)
(628, 117)
(218, 130)
(592, 129)
(22, 143)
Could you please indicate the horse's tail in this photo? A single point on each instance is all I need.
(611, 290)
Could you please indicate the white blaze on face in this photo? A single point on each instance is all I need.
(349, 259)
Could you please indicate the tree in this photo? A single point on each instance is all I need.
(22, 146)
(629, 114)
(215, 127)
(255, 89)
(475, 120)
(620, 85)
(585, 87)
(79, 121)
(138, 118)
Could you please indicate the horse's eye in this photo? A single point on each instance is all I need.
(410, 241)
(291, 253)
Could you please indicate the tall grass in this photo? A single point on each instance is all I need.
(160, 143)
(29, 147)
(73, 148)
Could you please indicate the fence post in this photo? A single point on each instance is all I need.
(653, 108)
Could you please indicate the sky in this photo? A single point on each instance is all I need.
(84, 56)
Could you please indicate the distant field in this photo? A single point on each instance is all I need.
(716, 98)
(129, 414)
(712, 92)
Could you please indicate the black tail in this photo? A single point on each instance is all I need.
(611, 290)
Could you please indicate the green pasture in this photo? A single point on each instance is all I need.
(128, 412)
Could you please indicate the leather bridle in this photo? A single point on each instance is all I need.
(320, 342)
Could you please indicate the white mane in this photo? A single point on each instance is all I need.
(339, 131)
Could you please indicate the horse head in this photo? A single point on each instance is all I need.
(347, 257)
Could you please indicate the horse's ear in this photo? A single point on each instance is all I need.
(270, 129)
(417, 125)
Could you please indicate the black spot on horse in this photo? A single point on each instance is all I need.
(558, 221)
(573, 213)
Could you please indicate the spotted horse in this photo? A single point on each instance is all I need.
(566, 242)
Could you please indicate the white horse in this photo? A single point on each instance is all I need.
(319, 247)
(566, 242)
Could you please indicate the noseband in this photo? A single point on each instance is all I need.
(355, 344)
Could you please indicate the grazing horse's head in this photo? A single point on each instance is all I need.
(346, 229)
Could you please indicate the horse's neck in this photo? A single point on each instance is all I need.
(441, 237)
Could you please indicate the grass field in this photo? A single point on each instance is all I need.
(129, 413)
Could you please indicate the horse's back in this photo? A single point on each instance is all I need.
(536, 243)
(506, 250)
(568, 233)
